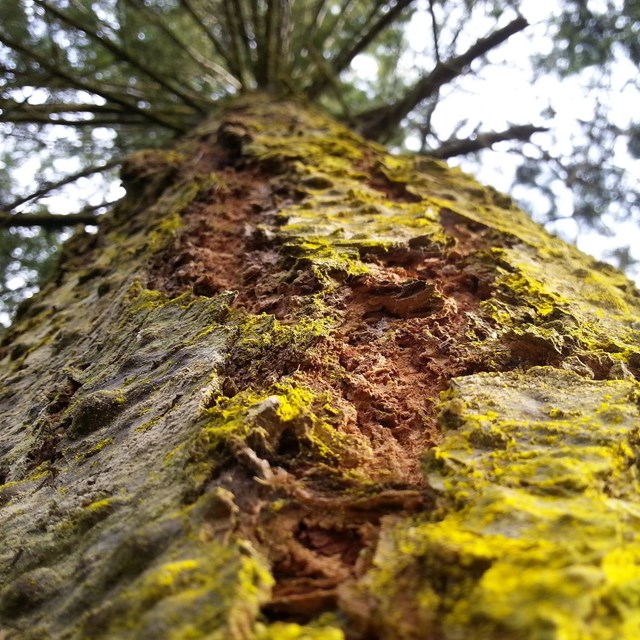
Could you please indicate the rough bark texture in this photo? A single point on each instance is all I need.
(298, 388)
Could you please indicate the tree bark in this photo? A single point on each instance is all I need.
(297, 387)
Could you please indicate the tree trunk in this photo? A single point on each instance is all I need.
(299, 388)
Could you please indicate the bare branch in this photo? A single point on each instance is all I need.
(242, 24)
(334, 29)
(46, 220)
(47, 108)
(315, 21)
(381, 123)
(274, 33)
(484, 140)
(435, 31)
(47, 188)
(334, 82)
(105, 121)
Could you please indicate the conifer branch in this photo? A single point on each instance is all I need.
(435, 31)
(120, 53)
(317, 33)
(216, 43)
(218, 73)
(344, 58)
(273, 39)
(96, 89)
(313, 25)
(333, 82)
(244, 40)
(26, 118)
(380, 124)
(237, 42)
(336, 21)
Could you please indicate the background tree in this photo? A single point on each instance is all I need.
(85, 83)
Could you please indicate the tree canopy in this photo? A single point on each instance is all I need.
(84, 82)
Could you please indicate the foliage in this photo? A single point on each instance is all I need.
(26, 259)
(595, 45)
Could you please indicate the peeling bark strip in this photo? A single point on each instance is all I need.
(299, 388)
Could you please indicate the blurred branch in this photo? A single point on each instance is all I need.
(382, 122)
(333, 81)
(217, 72)
(344, 57)
(47, 188)
(484, 140)
(276, 27)
(435, 31)
(238, 38)
(56, 71)
(130, 119)
(122, 54)
(8, 105)
(231, 63)
(77, 114)
(317, 16)
(46, 220)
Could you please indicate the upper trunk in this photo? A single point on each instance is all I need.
(222, 419)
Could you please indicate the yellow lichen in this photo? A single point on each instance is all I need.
(535, 535)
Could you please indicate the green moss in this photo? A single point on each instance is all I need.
(214, 592)
(99, 506)
(29, 591)
(139, 298)
(338, 229)
(164, 232)
(94, 411)
(97, 448)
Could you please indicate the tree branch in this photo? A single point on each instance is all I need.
(484, 140)
(272, 40)
(52, 186)
(46, 220)
(120, 53)
(217, 45)
(315, 23)
(218, 73)
(56, 71)
(435, 32)
(97, 121)
(47, 108)
(343, 59)
(333, 82)
(380, 123)
(236, 42)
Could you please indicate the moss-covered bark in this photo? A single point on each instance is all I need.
(297, 387)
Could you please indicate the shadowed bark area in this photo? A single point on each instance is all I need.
(297, 387)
